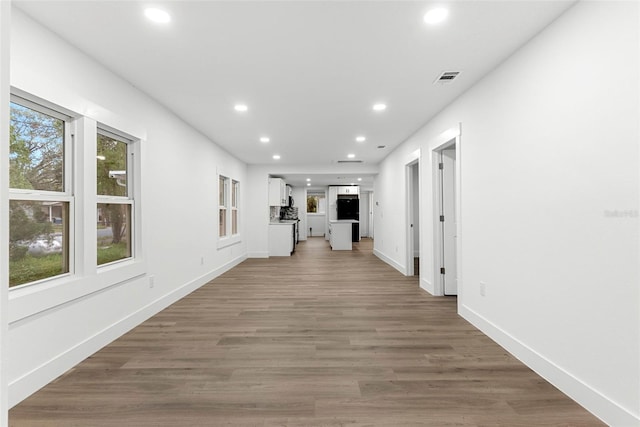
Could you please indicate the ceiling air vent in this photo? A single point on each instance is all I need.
(447, 77)
(349, 161)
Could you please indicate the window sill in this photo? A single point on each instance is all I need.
(317, 214)
(228, 241)
(39, 297)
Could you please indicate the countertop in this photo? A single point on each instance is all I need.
(284, 222)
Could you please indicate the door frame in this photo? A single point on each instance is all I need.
(437, 227)
(412, 161)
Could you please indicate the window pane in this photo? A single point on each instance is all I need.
(234, 222)
(221, 189)
(234, 194)
(223, 222)
(111, 166)
(38, 240)
(114, 232)
(36, 150)
(312, 204)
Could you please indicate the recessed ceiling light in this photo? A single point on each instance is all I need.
(276, 157)
(361, 139)
(308, 184)
(264, 139)
(359, 179)
(308, 179)
(351, 156)
(156, 15)
(240, 107)
(379, 107)
(436, 15)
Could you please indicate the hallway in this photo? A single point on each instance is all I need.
(319, 338)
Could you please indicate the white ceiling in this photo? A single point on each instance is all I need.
(309, 71)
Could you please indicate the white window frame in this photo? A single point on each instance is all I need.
(84, 277)
(235, 193)
(67, 193)
(228, 206)
(129, 199)
(318, 195)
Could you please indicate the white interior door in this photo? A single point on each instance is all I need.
(449, 226)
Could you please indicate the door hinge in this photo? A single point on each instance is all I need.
(441, 218)
(441, 270)
(440, 165)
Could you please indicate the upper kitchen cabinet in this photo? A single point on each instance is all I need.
(278, 192)
(348, 190)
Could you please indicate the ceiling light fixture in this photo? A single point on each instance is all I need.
(308, 184)
(361, 139)
(276, 157)
(308, 179)
(264, 139)
(156, 15)
(359, 179)
(379, 107)
(351, 156)
(240, 108)
(436, 15)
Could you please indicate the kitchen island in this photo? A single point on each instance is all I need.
(340, 234)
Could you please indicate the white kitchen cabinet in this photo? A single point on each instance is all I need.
(281, 235)
(349, 190)
(340, 235)
(278, 192)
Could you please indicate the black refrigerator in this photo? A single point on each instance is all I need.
(349, 208)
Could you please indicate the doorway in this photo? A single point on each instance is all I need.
(413, 218)
(446, 217)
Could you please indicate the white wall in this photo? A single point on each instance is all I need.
(550, 199)
(5, 34)
(179, 211)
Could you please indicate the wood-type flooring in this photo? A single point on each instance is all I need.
(320, 338)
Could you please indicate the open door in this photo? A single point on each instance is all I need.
(447, 218)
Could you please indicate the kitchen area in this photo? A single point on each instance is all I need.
(342, 217)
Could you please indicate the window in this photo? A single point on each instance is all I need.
(40, 194)
(235, 186)
(114, 194)
(316, 203)
(223, 183)
(228, 211)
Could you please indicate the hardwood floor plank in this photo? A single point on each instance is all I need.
(320, 338)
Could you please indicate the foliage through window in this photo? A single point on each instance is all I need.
(316, 203)
(39, 197)
(114, 202)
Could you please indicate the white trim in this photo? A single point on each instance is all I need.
(22, 387)
(390, 261)
(598, 404)
(5, 35)
(260, 254)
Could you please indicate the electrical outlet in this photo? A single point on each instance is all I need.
(483, 289)
(152, 281)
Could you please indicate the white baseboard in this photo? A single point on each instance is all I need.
(23, 387)
(592, 400)
(390, 261)
(258, 254)
(427, 286)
